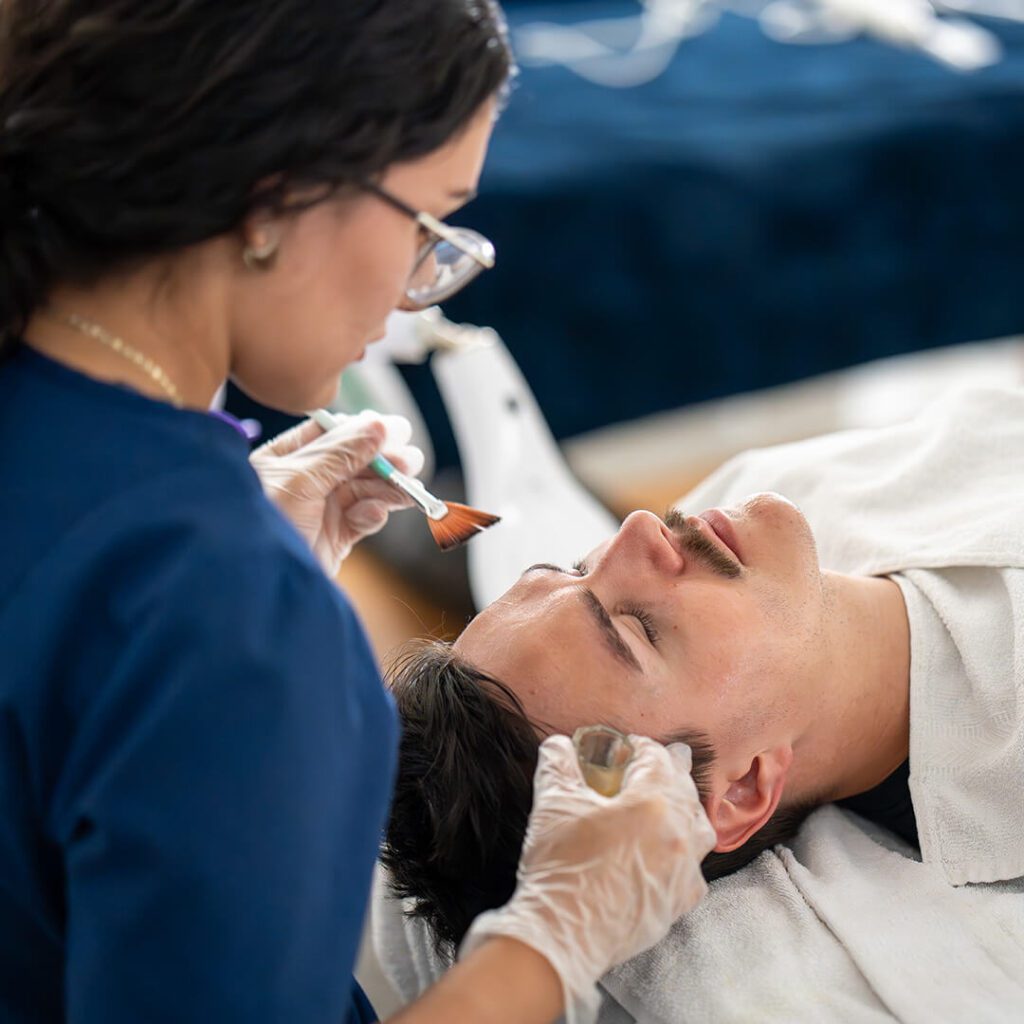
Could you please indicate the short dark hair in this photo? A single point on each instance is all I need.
(465, 789)
(130, 129)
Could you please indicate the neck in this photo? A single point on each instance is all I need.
(860, 729)
(173, 326)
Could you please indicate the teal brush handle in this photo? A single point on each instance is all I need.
(433, 508)
(384, 469)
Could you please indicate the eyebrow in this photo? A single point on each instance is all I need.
(544, 565)
(597, 611)
(465, 195)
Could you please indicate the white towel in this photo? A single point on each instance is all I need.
(403, 945)
(845, 927)
(945, 488)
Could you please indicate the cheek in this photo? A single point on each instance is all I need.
(336, 281)
(348, 271)
(713, 624)
(724, 642)
(565, 697)
(755, 659)
(372, 266)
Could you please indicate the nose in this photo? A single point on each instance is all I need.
(643, 543)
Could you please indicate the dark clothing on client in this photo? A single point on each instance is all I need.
(196, 753)
(889, 804)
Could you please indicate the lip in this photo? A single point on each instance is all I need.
(722, 527)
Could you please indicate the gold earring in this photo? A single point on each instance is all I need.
(261, 256)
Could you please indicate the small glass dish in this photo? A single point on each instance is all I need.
(603, 754)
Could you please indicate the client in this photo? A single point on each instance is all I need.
(864, 647)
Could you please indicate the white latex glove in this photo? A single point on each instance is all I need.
(322, 481)
(602, 879)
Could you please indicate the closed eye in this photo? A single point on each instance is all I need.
(640, 614)
(646, 621)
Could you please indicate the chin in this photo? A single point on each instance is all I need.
(772, 511)
(302, 405)
(326, 395)
(783, 535)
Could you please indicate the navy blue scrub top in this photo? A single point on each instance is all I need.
(196, 753)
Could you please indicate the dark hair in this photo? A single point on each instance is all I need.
(130, 128)
(465, 788)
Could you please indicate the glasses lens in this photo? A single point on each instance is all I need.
(444, 268)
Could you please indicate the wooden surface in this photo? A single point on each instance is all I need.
(392, 610)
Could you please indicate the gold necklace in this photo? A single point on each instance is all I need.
(122, 348)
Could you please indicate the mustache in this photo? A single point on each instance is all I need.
(694, 543)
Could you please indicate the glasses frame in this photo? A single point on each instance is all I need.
(438, 231)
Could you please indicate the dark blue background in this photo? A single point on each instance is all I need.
(757, 214)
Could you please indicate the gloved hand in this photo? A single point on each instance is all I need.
(602, 879)
(322, 481)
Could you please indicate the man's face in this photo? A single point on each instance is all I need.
(712, 623)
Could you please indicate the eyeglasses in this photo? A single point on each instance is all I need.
(447, 261)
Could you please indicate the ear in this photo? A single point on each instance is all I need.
(749, 799)
(261, 230)
(261, 225)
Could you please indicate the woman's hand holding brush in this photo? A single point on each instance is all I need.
(322, 480)
(451, 524)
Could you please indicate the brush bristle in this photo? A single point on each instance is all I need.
(461, 523)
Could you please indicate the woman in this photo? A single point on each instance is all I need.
(195, 748)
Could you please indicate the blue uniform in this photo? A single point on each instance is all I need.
(196, 753)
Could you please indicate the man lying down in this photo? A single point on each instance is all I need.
(859, 641)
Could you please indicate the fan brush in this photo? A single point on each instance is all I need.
(451, 524)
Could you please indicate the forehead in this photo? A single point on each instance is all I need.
(540, 640)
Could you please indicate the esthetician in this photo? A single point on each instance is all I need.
(196, 752)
